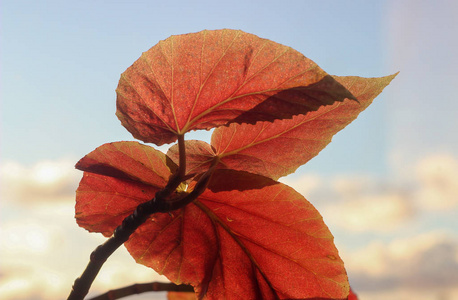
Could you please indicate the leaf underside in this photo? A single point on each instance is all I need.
(134, 170)
(217, 77)
(275, 149)
(235, 244)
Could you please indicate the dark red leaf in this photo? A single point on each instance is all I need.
(215, 77)
(266, 242)
(279, 148)
(103, 202)
(117, 178)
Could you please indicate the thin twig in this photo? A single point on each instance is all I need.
(139, 288)
(180, 174)
(101, 253)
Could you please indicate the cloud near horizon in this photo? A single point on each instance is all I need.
(426, 261)
(43, 250)
(422, 267)
(44, 182)
(361, 203)
(410, 226)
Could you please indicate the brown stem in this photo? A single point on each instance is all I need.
(141, 214)
(180, 173)
(121, 234)
(139, 288)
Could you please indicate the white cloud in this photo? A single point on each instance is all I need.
(42, 249)
(379, 213)
(408, 294)
(437, 177)
(305, 184)
(428, 261)
(356, 203)
(360, 203)
(392, 257)
(364, 203)
(46, 181)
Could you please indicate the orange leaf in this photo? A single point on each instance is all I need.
(117, 178)
(216, 77)
(279, 148)
(246, 237)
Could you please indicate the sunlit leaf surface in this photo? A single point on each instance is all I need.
(262, 242)
(216, 77)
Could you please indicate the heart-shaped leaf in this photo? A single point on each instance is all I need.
(275, 149)
(216, 77)
(263, 242)
(118, 177)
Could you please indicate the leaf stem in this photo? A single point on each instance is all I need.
(101, 253)
(182, 153)
(180, 173)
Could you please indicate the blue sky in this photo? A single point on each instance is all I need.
(62, 62)
(386, 185)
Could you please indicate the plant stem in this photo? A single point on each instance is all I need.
(142, 288)
(101, 253)
(180, 173)
(182, 154)
(130, 224)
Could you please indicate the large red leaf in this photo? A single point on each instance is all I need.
(215, 77)
(246, 237)
(278, 148)
(117, 178)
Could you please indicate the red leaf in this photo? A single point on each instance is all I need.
(279, 148)
(212, 78)
(262, 242)
(119, 176)
(129, 160)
